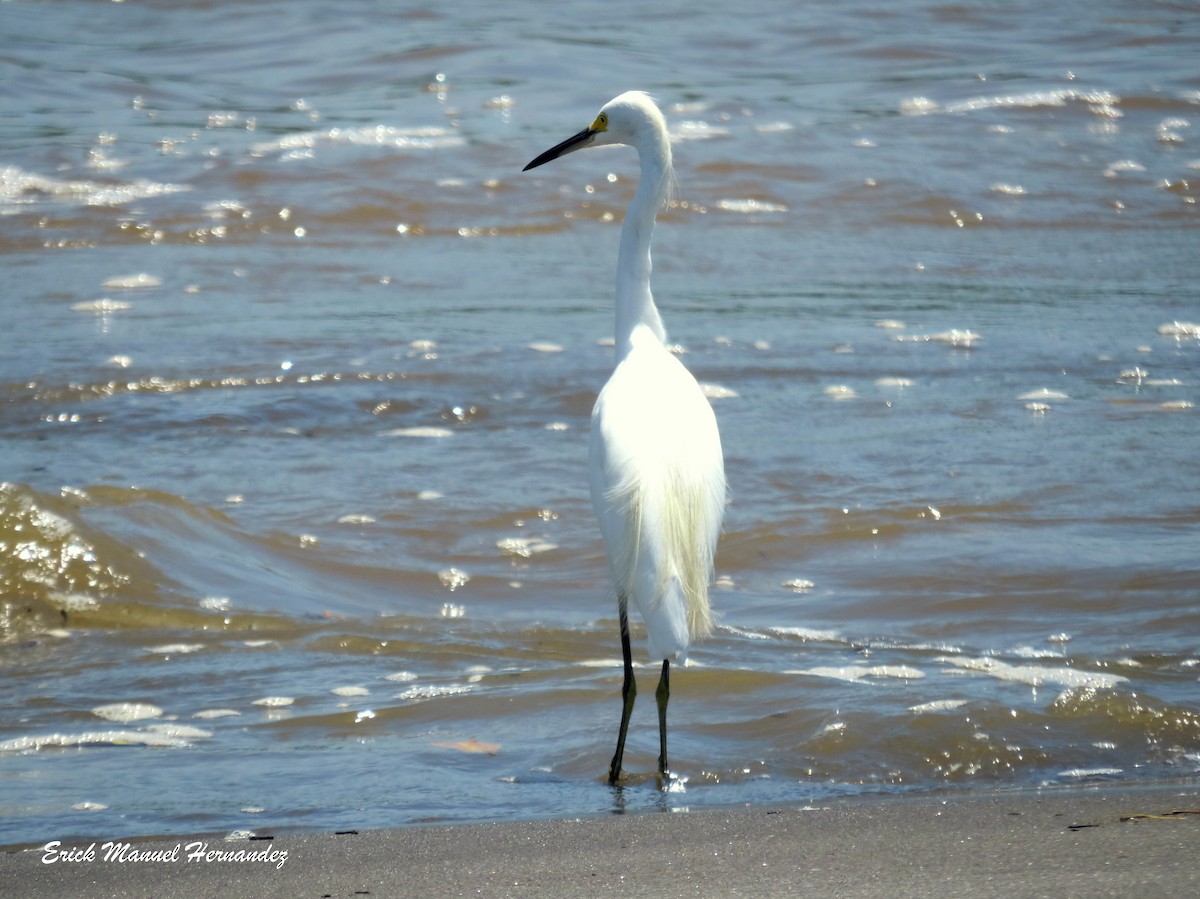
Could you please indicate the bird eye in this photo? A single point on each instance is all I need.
(601, 123)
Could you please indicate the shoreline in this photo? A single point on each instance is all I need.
(1079, 841)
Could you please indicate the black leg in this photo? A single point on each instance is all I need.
(661, 696)
(628, 694)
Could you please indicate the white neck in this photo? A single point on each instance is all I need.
(635, 303)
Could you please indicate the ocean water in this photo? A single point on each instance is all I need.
(297, 368)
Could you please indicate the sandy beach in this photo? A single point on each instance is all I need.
(1078, 843)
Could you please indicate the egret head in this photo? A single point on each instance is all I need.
(632, 118)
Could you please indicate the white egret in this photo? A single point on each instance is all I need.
(656, 469)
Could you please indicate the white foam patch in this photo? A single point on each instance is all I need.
(695, 130)
(1179, 329)
(808, 634)
(453, 578)
(919, 106)
(1101, 102)
(742, 632)
(132, 282)
(302, 146)
(102, 306)
(93, 738)
(432, 691)
(860, 673)
(209, 714)
(350, 691)
(750, 206)
(956, 337)
(799, 585)
(275, 702)
(175, 649)
(938, 705)
(525, 547)
(1044, 393)
(124, 712)
(840, 392)
(717, 392)
(75, 602)
(179, 731)
(1037, 675)
(1034, 652)
(18, 186)
(1082, 773)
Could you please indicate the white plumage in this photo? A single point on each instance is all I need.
(656, 469)
(654, 447)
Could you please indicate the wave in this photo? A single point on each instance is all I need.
(53, 565)
(83, 559)
(19, 187)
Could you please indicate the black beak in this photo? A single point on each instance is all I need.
(571, 144)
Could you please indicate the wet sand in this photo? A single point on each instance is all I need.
(1078, 843)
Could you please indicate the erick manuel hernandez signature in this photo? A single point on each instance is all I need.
(197, 851)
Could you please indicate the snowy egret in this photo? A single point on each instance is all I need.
(656, 469)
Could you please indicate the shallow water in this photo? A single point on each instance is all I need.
(298, 365)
